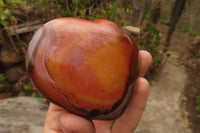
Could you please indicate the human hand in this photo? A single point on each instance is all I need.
(58, 120)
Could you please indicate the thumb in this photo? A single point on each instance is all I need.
(71, 123)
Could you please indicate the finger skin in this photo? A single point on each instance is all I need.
(103, 126)
(128, 122)
(51, 122)
(145, 60)
(60, 121)
(71, 123)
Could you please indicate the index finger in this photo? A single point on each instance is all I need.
(145, 60)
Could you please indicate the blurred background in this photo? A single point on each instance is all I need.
(168, 29)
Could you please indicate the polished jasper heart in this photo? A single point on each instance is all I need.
(87, 67)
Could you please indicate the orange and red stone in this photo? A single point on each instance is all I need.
(87, 67)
